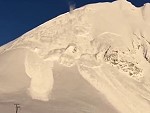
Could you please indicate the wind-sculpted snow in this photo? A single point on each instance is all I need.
(110, 45)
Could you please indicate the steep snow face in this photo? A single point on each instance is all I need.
(108, 42)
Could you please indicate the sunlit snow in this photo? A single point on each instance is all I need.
(95, 59)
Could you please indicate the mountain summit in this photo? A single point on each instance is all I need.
(94, 59)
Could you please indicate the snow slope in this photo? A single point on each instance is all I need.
(94, 59)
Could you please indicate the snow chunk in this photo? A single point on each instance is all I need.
(41, 76)
(106, 40)
(70, 55)
(53, 55)
(88, 60)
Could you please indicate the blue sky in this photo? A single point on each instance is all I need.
(20, 16)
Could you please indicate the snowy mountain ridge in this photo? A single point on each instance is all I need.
(108, 42)
(46, 41)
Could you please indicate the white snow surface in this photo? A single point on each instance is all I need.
(95, 59)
